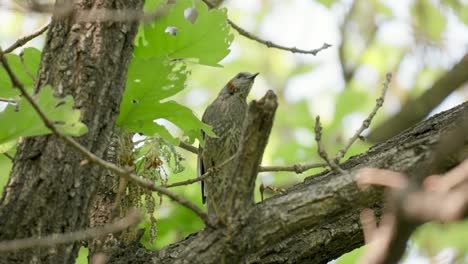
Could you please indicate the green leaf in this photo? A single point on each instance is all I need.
(31, 57)
(4, 147)
(150, 81)
(207, 40)
(22, 119)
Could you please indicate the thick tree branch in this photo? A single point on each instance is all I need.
(315, 221)
(416, 109)
(256, 131)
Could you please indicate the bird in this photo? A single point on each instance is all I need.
(225, 115)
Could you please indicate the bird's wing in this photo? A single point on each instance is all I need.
(211, 114)
(200, 168)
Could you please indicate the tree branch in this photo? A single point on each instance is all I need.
(366, 123)
(256, 131)
(297, 168)
(188, 147)
(20, 42)
(320, 213)
(130, 220)
(268, 43)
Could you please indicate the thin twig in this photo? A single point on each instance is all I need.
(321, 150)
(126, 173)
(297, 168)
(130, 220)
(207, 174)
(20, 42)
(8, 156)
(268, 43)
(188, 147)
(25, 67)
(7, 100)
(366, 123)
(143, 182)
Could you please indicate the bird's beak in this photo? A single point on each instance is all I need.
(252, 76)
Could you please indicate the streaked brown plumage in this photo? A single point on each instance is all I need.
(226, 116)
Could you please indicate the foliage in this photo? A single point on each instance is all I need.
(22, 119)
(164, 65)
(159, 70)
(31, 58)
(28, 123)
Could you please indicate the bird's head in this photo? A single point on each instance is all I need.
(240, 85)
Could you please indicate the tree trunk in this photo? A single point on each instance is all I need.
(48, 191)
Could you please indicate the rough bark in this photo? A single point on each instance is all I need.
(48, 191)
(315, 221)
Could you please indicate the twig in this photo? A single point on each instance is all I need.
(321, 150)
(25, 67)
(20, 42)
(126, 173)
(6, 100)
(273, 189)
(268, 43)
(55, 239)
(297, 168)
(188, 147)
(143, 182)
(366, 123)
(208, 173)
(8, 156)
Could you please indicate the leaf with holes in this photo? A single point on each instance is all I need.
(149, 81)
(207, 40)
(21, 120)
